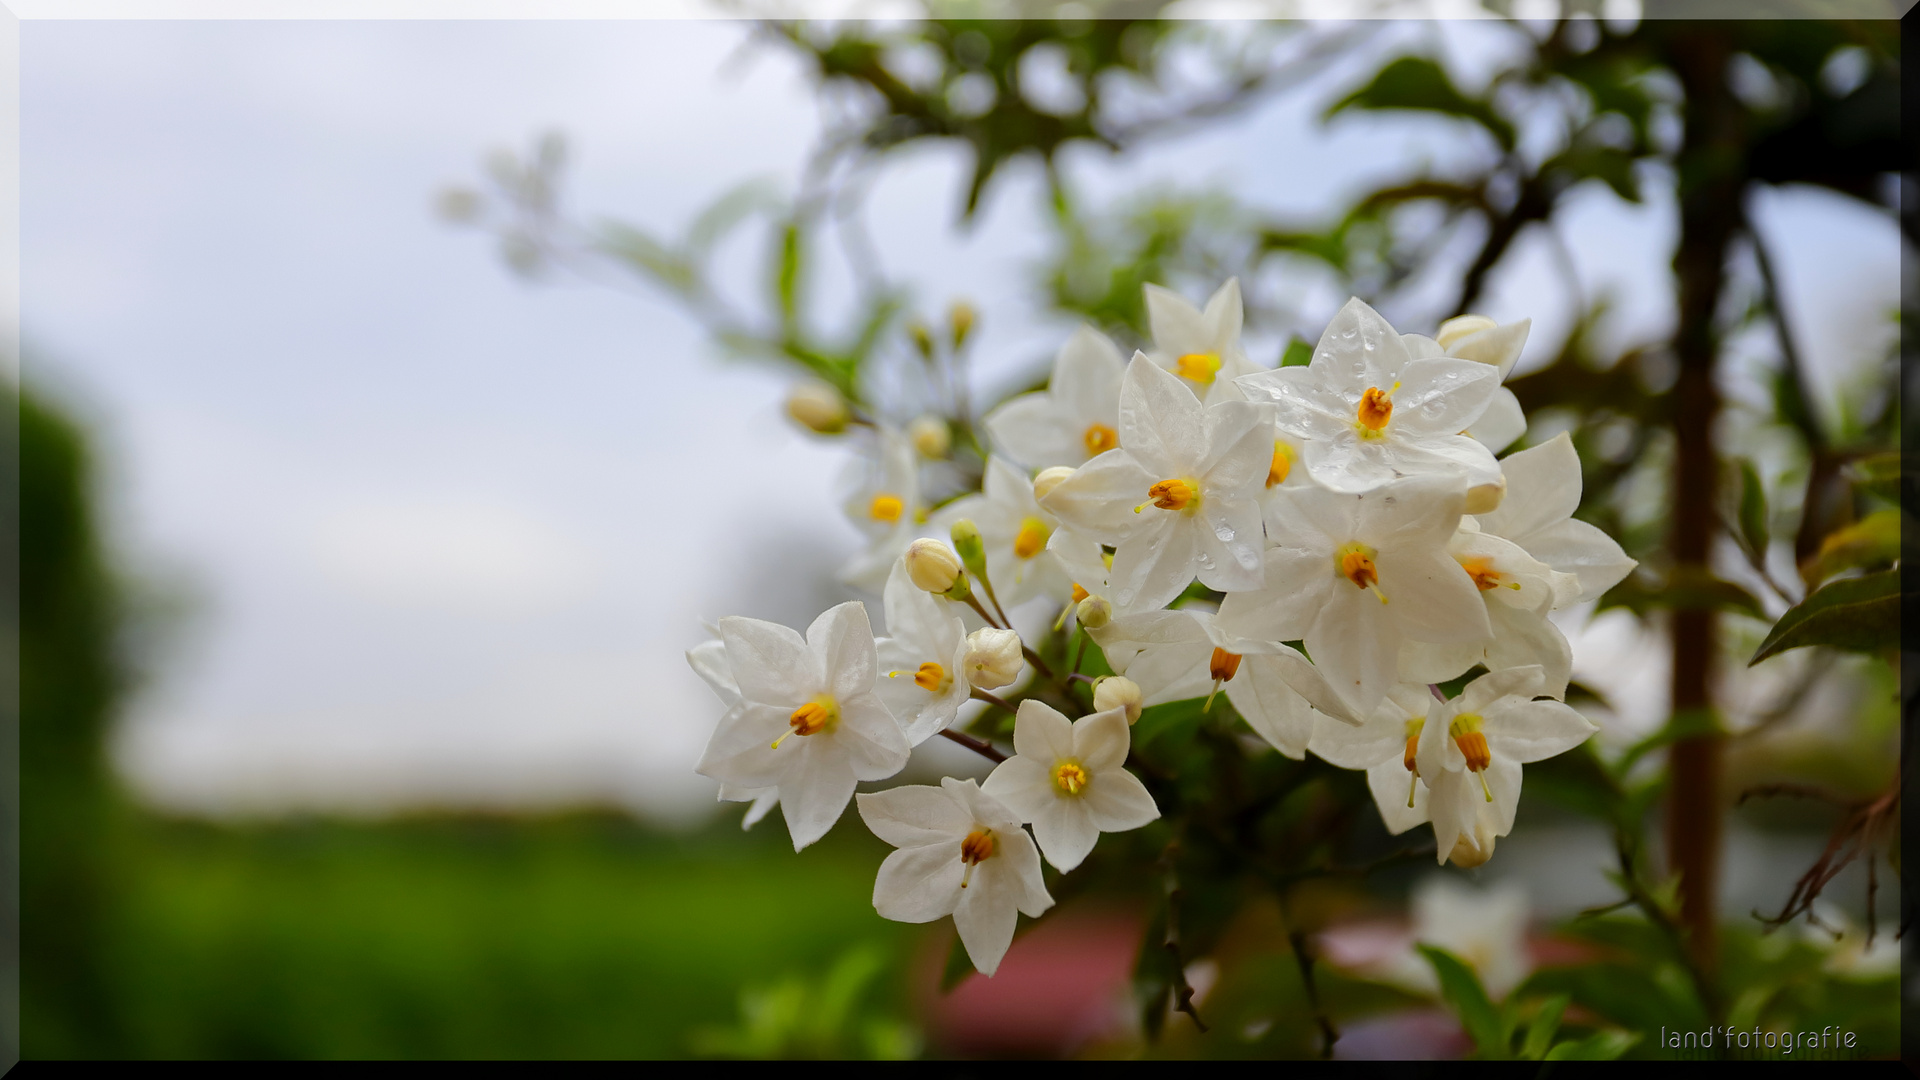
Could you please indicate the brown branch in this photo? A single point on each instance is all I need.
(1304, 957)
(978, 746)
(1856, 835)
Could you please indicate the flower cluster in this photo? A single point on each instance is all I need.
(1327, 545)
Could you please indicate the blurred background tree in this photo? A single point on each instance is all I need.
(542, 937)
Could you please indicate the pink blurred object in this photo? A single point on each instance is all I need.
(1425, 1035)
(1064, 985)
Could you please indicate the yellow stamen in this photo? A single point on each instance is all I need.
(1466, 733)
(1224, 665)
(885, 507)
(1200, 367)
(1106, 559)
(974, 850)
(1408, 759)
(1484, 576)
(1071, 777)
(812, 718)
(1175, 494)
(1282, 464)
(931, 677)
(1376, 408)
(1099, 439)
(1079, 593)
(1031, 540)
(1355, 563)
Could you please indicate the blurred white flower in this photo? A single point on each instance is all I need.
(1367, 411)
(922, 659)
(1543, 491)
(1201, 347)
(709, 661)
(1354, 576)
(1200, 471)
(1076, 417)
(883, 501)
(1014, 531)
(808, 722)
(1485, 928)
(1470, 752)
(1068, 779)
(961, 853)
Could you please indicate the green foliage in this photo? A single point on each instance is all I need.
(1417, 83)
(822, 1019)
(1859, 614)
(1462, 992)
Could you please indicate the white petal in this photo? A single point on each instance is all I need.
(986, 914)
(1032, 430)
(1580, 549)
(709, 661)
(1297, 584)
(1227, 534)
(814, 791)
(1224, 315)
(1502, 423)
(1155, 564)
(1176, 325)
(762, 805)
(1086, 378)
(1503, 780)
(1432, 598)
(914, 815)
(1260, 693)
(1498, 346)
(919, 884)
(1065, 832)
(1101, 740)
(1389, 781)
(1438, 751)
(1023, 860)
(1117, 801)
(869, 738)
(1382, 738)
(1521, 638)
(1100, 496)
(1358, 349)
(1022, 784)
(1441, 396)
(771, 663)
(1494, 685)
(1161, 423)
(1041, 733)
(1524, 731)
(1543, 487)
(739, 753)
(1355, 643)
(842, 639)
(1239, 449)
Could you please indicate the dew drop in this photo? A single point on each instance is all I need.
(1224, 531)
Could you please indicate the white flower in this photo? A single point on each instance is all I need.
(1014, 531)
(1476, 337)
(1384, 747)
(1356, 575)
(922, 659)
(1176, 655)
(1200, 471)
(1485, 928)
(1076, 417)
(930, 436)
(884, 502)
(709, 661)
(1470, 752)
(993, 658)
(1068, 780)
(1088, 568)
(1366, 411)
(1543, 491)
(961, 853)
(1518, 590)
(1202, 347)
(808, 722)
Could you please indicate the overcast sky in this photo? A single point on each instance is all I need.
(443, 536)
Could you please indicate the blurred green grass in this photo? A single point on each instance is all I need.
(580, 936)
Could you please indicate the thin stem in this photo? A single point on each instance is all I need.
(992, 699)
(1040, 666)
(1304, 959)
(1437, 692)
(1079, 652)
(978, 746)
(986, 583)
(974, 603)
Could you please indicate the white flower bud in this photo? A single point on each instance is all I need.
(993, 658)
(930, 436)
(1048, 480)
(1485, 498)
(1094, 612)
(817, 407)
(1115, 692)
(1472, 848)
(932, 565)
(1460, 326)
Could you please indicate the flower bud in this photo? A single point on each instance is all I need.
(922, 338)
(1485, 498)
(933, 566)
(994, 658)
(1114, 692)
(1094, 612)
(960, 317)
(973, 550)
(1048, 480)
(817, 407)
(1460, 326)
(930, 436)
(1472, 848)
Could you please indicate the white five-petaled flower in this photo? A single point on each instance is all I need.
(1015, 531)
(1543, 491)
(1076, 417)
(922, 659)
(1354, 576)
(1175, 655)
(1179, 496)
(1384, 748)
(883, 501)
(808, 723)
(1470, 752)
(1201, 346)
(961, 853)
(1068, 779)
(1367, 411)
(1519, 590)
(709, 661)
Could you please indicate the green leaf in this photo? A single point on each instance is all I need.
(1600, 1046)
(788, 283)
(1753, 510)
(1299, 353)
(1414, 82)
(1546, 1021)
(1878, 475)
(1462, 990)
(1871, 542)
(728, 211)
(1857, 614)
(1688, 588)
